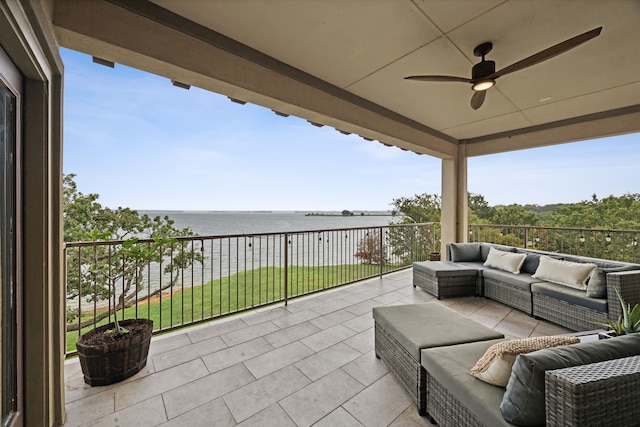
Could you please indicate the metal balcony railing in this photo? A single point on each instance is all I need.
(186, 280)
(617, 245)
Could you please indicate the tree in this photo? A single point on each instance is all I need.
(130, 256)
(513, 215)
(125, 245)
(419, 208)
(416, 242)
(427, 208)
(479, 208)
(370, 249)
(612, 212)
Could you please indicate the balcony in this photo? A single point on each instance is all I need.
(274, 77)
(305, 355)
(310, 362)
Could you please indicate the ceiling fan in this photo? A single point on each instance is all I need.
(484, 74)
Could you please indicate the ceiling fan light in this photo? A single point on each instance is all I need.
(483, 85)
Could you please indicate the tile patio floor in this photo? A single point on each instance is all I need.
(309, 363)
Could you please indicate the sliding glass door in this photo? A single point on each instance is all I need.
(10, 296)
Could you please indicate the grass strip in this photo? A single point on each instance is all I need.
(231, 294)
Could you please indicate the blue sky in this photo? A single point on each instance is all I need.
(140, 142)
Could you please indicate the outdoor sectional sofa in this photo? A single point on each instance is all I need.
(582, 381)
(586, 384)
(576, 309)
(432, 349)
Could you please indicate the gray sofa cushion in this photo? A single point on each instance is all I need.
(450, 367)
(531, 263)
(444, 268)
(521, 281)
(523, 403)
(465, 252)
(533, 260)
(597, 286)
(478, 265)
(485, 247)
(418, 326)
(603, 263)
(570, 295)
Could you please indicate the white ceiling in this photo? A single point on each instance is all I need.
(366, 47)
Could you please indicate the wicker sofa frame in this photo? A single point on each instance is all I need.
(445, 410)
(445, 287)
(408, 370)
(596, 394)
(561, 312)
(628, 284)
(580, 318)
(390, 341)
(506, 294)
(572, 316)
(581, 396)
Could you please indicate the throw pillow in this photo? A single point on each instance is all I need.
(573, 274)
(486, 247)
(461, 252)
(507, 261)
(530, 263)
(494, 367)
(597, 284)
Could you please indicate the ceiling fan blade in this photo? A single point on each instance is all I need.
(478, 99)
(548, 53)
(438, 79)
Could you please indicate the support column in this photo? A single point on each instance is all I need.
(455, 201)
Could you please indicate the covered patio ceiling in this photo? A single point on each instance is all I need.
(342, 63)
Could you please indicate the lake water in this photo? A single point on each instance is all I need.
(226, 256)
(233, 223)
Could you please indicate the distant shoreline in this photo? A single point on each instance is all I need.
(306, 213)
(348, 216)
(260, 222)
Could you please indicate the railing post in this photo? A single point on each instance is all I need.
(286, 268)
(381, 247)
(433, 237)
(526, 237)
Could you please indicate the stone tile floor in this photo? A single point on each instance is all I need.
(311, 362)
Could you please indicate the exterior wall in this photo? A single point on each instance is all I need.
(27, 37)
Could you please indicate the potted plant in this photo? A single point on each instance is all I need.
(118, 350)
(628, 323)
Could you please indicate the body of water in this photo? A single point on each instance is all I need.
(242, 251)
(258, 222)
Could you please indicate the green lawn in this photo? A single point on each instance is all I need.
(238, 292)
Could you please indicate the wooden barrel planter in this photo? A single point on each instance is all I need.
(104, 364)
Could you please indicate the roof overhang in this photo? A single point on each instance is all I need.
(343, 66)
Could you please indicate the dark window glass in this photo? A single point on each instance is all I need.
(8, 360)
